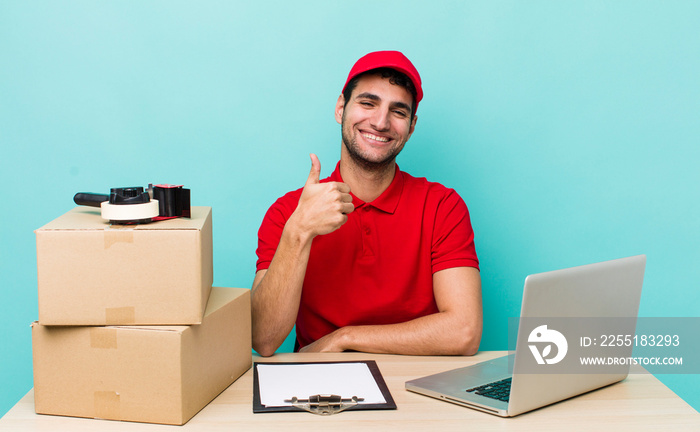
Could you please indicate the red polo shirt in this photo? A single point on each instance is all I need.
(378, 267)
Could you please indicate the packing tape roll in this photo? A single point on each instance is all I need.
(129, 212)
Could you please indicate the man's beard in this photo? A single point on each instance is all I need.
(362, 160)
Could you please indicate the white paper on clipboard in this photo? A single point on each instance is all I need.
(278, 382)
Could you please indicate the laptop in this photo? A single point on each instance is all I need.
(586, 296)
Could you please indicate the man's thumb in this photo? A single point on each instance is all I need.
(315, 173)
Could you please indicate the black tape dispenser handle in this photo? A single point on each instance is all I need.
(90, 199)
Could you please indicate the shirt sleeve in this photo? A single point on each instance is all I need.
(453, 236)
(272, 226)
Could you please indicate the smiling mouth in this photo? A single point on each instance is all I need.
(372, 137)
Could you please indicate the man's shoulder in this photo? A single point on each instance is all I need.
(416, 184)
(291, 196)
(287, 203)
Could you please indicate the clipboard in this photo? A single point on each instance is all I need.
(306, 367)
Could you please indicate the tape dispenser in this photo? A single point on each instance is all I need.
(134, 205)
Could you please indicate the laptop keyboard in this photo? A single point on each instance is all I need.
(499, 390)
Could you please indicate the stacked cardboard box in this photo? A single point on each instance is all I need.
(129, 326)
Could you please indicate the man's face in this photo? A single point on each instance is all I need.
(376, 121)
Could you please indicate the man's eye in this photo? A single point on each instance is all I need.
(400, 113)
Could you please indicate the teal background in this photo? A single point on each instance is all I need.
(571, 129)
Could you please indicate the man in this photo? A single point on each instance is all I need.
(370, 259)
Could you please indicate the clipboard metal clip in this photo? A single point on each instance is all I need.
(324, 404)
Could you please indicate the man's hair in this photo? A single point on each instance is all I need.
(395, 77)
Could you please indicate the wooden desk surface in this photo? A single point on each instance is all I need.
(639, 403)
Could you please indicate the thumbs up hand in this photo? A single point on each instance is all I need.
(323, 207)
(315, 173)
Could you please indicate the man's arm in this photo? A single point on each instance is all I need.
(454, 330)
(276, 292)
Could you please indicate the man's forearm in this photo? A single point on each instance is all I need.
(322, 209)
(277, 291)
(454, 330)
(436, 334)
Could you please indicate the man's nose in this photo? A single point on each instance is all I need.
(380, 119)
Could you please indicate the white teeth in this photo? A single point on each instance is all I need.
(375, 138)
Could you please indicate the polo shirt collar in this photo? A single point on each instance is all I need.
(387, 201)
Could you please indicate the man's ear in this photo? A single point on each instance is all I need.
(413, 126)
(339, 108)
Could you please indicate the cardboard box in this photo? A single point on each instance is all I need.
(152, 374)
(94, 273)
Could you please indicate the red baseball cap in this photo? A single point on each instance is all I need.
(388, 59)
